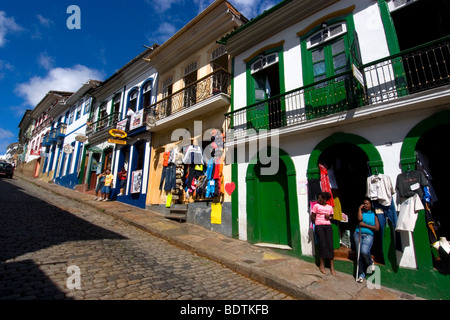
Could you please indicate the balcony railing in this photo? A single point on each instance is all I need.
(103, 124)
(415, 70)
(215, 83)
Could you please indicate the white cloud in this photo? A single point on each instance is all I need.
(46, 61)
(163, 5)
(58, 79)
(44, 21)
(164, 32)
(252, 8)
(7, 25)
(202, 4)
(5, 67)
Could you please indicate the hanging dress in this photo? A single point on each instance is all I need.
(325, 183)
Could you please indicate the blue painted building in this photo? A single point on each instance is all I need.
(120, 103)
(69, 128)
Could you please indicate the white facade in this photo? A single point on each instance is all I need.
(384, 125)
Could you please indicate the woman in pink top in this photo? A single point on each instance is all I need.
(321, 215)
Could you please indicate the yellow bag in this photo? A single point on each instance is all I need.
(169, 201)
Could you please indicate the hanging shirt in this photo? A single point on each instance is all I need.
(408, 213)
(409, 183)
(193, 155)
(210, 169)
(325, 183)
(166, 157)
(379, 187)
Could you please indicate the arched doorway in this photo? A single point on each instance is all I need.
(350, 159)
(107, 159)
(426, 142)
(430, 152)
(349, 165)
(272, 208)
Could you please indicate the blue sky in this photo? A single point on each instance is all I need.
(38, 52)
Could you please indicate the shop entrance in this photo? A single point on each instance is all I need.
(430, 151)
(347, 167)
(94, 170)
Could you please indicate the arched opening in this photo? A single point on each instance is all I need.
(430, 154)
(348, 160)
(272, 209)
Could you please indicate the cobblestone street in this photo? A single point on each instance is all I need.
(44, 237)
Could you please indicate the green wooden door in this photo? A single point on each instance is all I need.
(259, 115)
(273, 215)
(328, 60)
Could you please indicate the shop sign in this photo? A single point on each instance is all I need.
(35, 152)
(95, 150)
(68, 149)
(358, 75)
(116, 141)
(136, 181)
(137, 120)
(81, 138)
(122, 125)
(116, 133)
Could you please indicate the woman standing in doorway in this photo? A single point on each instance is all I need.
(321, 216)
(368, 223)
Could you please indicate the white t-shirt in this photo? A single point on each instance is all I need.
(408, 213)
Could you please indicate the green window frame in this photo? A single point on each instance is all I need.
(266, 111)
(329, 50)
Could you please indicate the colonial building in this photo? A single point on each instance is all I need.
(352, 91)
(39, 159)
(25, 130)
(187, 170)
(70, 121)
(119, 103)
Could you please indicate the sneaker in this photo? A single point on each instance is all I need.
(120, 194)
(95, 198)
(107, 200)
(371, 268)
(360, 280)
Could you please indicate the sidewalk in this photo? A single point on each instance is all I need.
(293, 276)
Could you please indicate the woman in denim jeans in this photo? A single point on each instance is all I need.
(368, 223)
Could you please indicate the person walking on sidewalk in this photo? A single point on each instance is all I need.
(321, 216)
(363, 236)
(106, 190)
(100, 184)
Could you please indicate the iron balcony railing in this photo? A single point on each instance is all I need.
(415, 70)
(215, 83)
(103, 124)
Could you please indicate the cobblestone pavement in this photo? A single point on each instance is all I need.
(45, 238)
